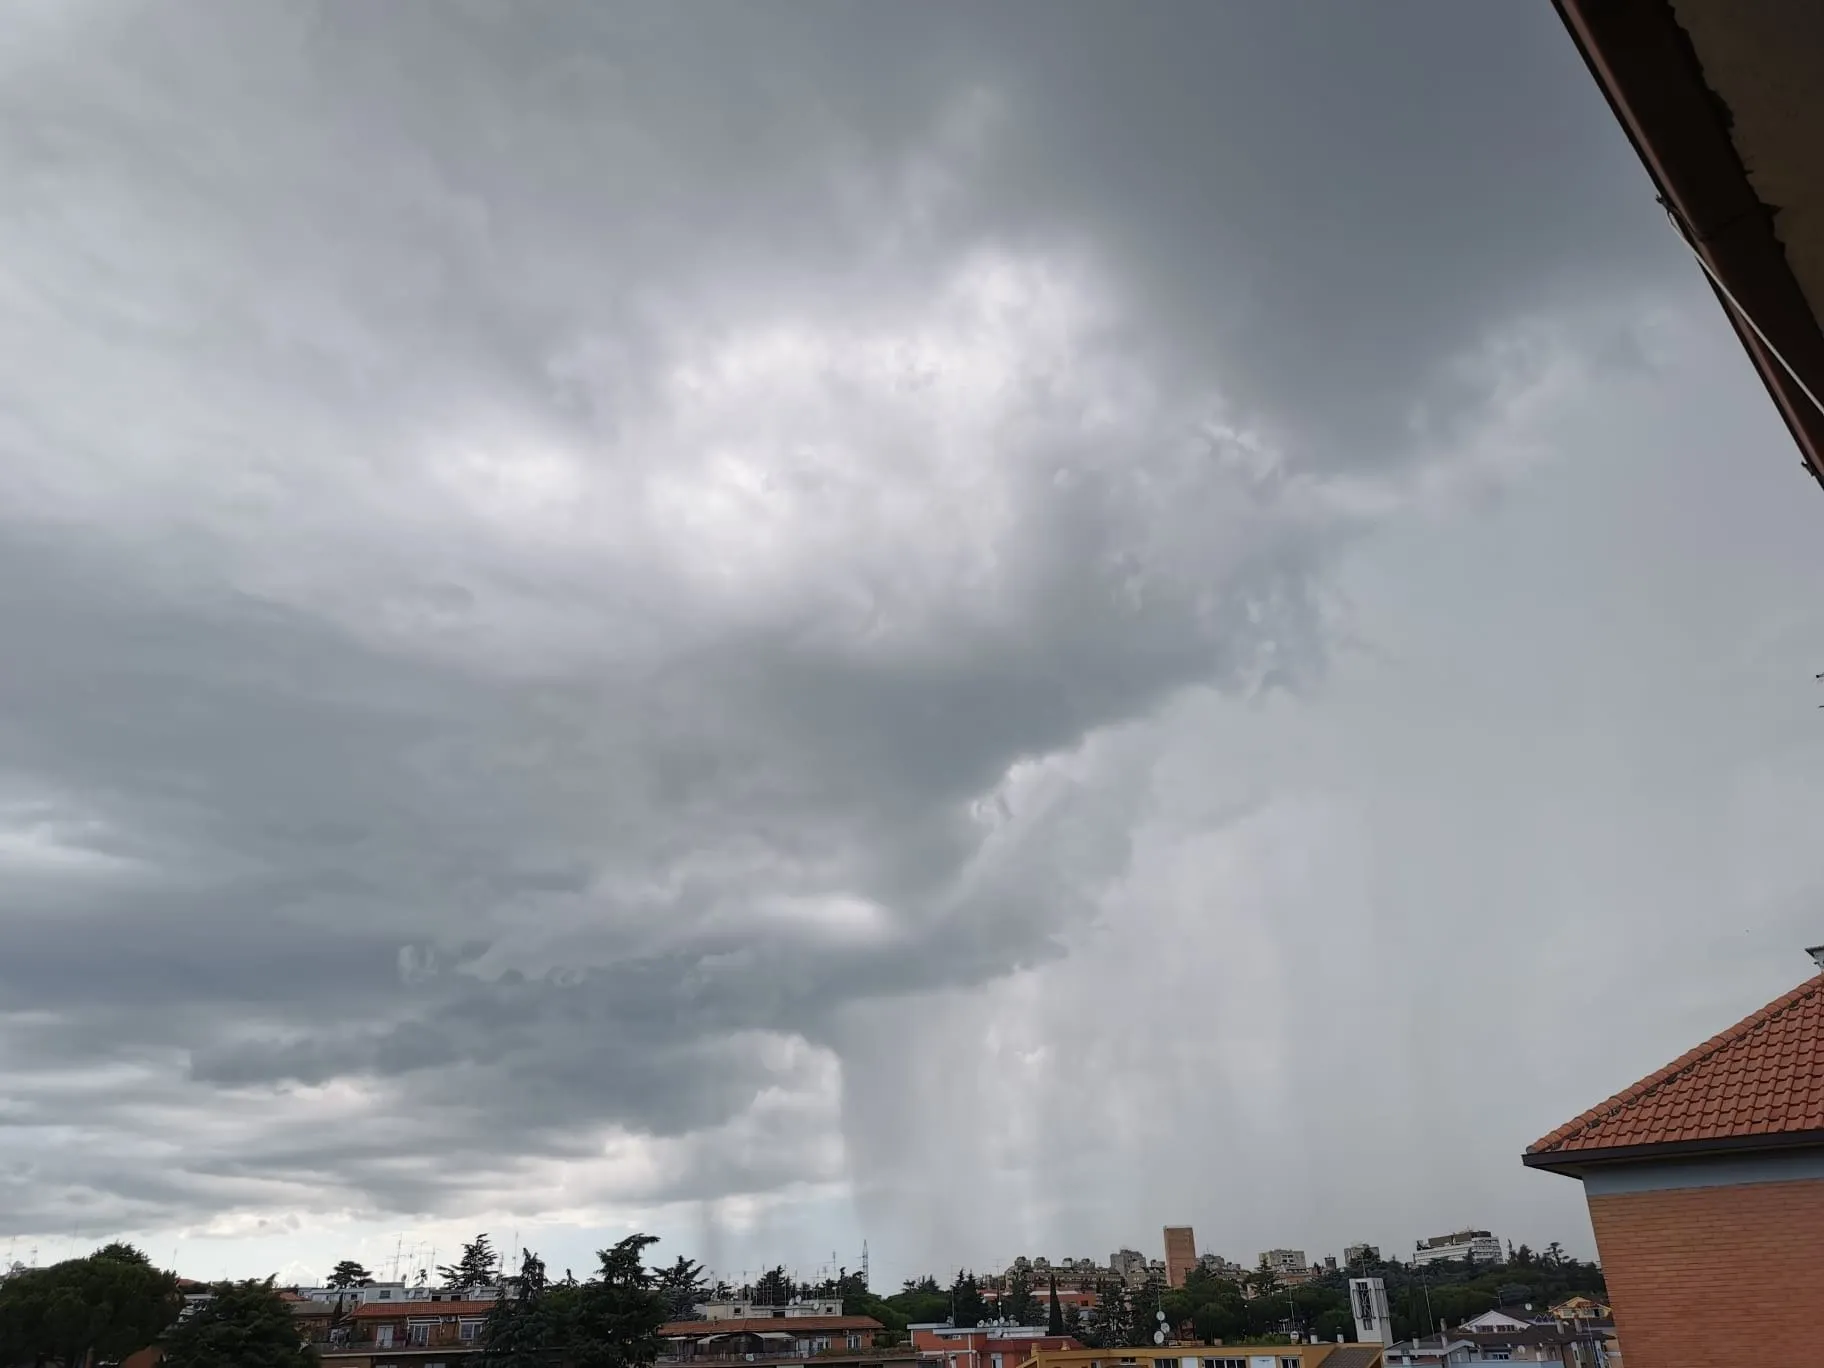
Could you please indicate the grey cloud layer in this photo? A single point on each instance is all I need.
(547, 551)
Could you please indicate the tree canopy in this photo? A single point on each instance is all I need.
(244, 1325)
(350, 1273)
(610, 1321)
(479, 1266)
(105, 1306)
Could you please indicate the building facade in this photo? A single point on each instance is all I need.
(1180, 1254)
(1288, 1266)
(1475, 1246)
(1705, 1184)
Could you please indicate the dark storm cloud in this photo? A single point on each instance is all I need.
(545, 550)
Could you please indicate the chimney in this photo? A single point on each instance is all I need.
(1817, 954)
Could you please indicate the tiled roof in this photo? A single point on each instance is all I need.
(380, 1310)
(1762, 1076)
(1354, 1356)
(797, 1325)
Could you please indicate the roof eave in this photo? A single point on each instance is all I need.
(1575, 1163)
(1652, 78)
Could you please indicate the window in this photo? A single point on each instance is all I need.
(855, 1343)
(384, 1337)
(468, 1330)
(1289, 1363)
(1225, 1363)
(419, 1333)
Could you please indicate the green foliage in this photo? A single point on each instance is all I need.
(682, 1286)
(968, 1307)
(1113, 1326)
(350, 1273)
(106, 1306)
(479, 1266)
(918, 1301)
(1018, 1305)
(245, 1325)
(610, 1321)
(775, 1287)
(1054, 1315)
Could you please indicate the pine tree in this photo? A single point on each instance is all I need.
(1054, 1322)
(682, 1287)
(349, 1273)
(478, 1267)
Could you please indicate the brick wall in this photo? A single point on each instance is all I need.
(1694, 1271)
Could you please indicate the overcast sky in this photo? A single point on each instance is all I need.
(978, 627)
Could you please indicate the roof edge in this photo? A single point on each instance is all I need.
(1648, 70)
(1550, 1143)
(1574, 1163)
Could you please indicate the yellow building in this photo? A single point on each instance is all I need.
(1581, 1308)
(1214, 1356)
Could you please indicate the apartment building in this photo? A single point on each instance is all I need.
(1287, 1265)
(1476, 1246)
(753, 1310)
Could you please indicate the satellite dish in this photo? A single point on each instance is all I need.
(1158, 1337)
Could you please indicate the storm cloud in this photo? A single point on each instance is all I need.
(621, 610)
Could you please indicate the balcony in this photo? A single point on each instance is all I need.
(363, 1339)
(834, 1354)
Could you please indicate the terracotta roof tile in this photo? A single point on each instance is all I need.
(1762, 1076)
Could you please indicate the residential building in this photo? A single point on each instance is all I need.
(380, 1291)
(1214, 1356)
(1180, 1254)
(1560, 1346)
(414, 1334)
(1582, 1308)
(1505, 1318)
(1705, 1184)
(1357, 1254)
(1477, 1246)
(1288, 1266)
(996, 1346)
(752, 1310)
(1129, 1265)
(1219, 1266)
(785, 1340)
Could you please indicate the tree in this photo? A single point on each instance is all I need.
(1114, 1323)
(106, 1306)
(919, 1300)
(617, 1315)
(968, 1308)
(349, 1273)
(682, 1286)
(610, 1321)
(775, 1287)
(1054, 1319)
(244, 1325)
(478, 1267)
(1148, 1302)
(1018, 1305)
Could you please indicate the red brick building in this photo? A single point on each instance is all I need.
(1705, 1183)
(983, 1347)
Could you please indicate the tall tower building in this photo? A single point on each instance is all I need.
(1180, 1254)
